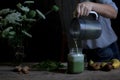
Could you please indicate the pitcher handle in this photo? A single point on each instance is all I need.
(93, 12)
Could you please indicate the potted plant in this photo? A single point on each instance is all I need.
(16, 23)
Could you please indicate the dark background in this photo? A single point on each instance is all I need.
(47, 35)
(48, 40)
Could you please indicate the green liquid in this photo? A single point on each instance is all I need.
(75, 67)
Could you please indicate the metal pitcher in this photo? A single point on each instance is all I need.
(87, 27)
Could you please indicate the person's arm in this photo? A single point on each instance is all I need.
(105, 10)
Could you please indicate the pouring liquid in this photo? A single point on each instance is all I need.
(76, 46)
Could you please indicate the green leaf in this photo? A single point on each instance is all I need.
(55, 8)
(26, 33)
(28, 2)
(32, 14)
(41, 15)
(6, 31)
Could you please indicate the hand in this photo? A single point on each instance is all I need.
(82, 9)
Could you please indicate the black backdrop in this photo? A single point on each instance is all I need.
(47, 34)
(116, 22)
(46, 41)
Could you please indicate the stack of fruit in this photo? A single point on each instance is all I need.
(105, 66)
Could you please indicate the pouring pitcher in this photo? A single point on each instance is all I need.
(86, 27)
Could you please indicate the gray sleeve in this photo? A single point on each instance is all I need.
(110, 2)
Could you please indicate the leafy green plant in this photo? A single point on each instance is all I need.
(48, 65)
(16, 23)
